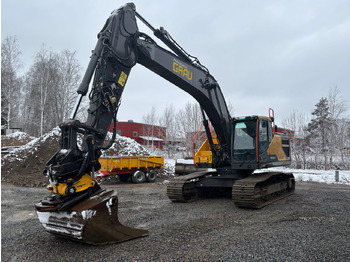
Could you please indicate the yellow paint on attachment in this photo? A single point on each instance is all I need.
(85, 182)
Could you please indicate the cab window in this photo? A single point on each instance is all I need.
(244, 141)
(263, 131)
(265, 135)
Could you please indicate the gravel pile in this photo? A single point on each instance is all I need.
(311, 225)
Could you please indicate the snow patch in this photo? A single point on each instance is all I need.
(313, 175)
(124, 146)
(87, 214)
(109, 203)
(185, 161)
(52, 222)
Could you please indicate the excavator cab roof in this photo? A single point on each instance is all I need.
(245, 118)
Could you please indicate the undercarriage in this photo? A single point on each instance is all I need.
(253, 191)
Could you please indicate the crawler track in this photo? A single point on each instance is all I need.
(183, 188)
(259, 190)
(255, 191)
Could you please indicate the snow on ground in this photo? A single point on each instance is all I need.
(312, 175)
(169, 166)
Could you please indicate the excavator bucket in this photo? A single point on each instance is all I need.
(92, 221)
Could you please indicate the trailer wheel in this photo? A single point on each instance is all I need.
(138, 177)
(151, 176)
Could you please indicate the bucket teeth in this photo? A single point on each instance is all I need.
(93, 221)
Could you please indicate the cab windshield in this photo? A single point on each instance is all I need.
(244, 141)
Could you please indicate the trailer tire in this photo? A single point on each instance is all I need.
(138, 177)
(151, 176)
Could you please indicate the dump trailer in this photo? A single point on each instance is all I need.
(139, 168)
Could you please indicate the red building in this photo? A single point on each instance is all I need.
(287, 132)
(146, 135)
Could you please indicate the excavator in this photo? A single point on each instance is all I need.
(79, 209)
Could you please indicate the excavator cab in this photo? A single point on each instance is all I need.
(255, 144)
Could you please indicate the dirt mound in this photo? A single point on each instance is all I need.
(24, 166)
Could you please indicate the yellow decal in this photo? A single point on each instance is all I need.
(182, 70)
(122, 79)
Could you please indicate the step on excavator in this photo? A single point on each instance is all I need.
(79, 209)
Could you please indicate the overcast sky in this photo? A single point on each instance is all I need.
(280, 54)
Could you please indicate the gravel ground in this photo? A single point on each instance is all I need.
(311, 225)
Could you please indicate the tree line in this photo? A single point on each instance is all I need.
(321, 140)
(44, 96)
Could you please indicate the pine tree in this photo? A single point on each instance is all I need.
(319, 128)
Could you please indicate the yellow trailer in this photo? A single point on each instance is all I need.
(139, 168)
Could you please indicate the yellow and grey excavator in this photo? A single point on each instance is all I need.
(79, 209)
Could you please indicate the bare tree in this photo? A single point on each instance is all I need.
(69, 74)
(231, 108)
(168, 120)
(189, 121)
(150, 120)
(43, 80)
(51, 83)
(190, 118)
(10, 82)
(297, 122)
(343, 142)
(337, 108)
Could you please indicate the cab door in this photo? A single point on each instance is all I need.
(244, 141)
(265, 135)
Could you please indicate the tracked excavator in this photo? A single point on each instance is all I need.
(79, 209)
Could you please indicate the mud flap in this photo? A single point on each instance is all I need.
(92, 221)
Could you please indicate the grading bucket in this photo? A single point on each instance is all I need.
(92, 221)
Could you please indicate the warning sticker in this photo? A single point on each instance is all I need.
(122, 79)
